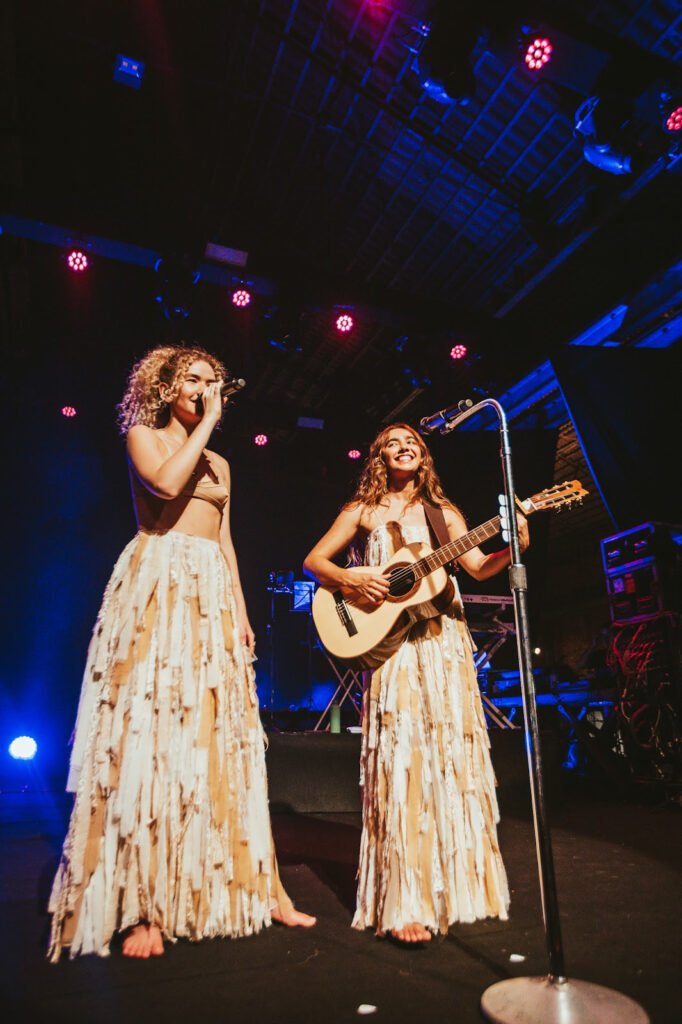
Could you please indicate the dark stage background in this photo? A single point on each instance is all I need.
(68, 514)
(625, 407)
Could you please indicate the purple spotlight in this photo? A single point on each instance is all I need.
(344, 323)
(673, 121)
(77, 261)
(260, 440)
(241, 297)
(538, 53)
(68, 411)
(458, 351)
(354, 453)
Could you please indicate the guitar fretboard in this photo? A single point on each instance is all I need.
(456, 548)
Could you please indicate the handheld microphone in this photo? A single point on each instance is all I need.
(428, 424)
(228, 387)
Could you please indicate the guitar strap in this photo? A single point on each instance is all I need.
(436, 520)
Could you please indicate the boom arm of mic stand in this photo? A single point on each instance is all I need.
(461, 416)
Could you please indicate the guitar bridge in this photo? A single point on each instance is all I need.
(344, 614)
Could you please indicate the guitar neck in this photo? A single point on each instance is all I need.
(455, 548)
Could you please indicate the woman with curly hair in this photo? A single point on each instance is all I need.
(170, 830)
(429, 854)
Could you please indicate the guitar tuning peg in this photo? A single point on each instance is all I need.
(505, 536)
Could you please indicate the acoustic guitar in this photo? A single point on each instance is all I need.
(364, 634)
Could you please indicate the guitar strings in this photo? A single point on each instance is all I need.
(402, 573)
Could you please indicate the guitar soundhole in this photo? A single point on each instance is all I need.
(401, 580)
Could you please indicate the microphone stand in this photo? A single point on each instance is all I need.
(554, 998)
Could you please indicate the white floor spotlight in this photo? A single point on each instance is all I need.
(23, 748)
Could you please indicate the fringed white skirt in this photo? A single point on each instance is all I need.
(170, 823)
(429, 851)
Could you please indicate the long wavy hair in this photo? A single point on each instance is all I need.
(372, 486)
(155, 381)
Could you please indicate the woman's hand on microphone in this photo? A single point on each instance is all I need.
(213, 401)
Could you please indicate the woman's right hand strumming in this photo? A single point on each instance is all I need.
(368, 583)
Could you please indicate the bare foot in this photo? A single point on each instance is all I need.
(156, 940)
(292, 918)
(143, 941)
(412, 932)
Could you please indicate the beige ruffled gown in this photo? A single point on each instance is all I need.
(429, 849)
(170, 823)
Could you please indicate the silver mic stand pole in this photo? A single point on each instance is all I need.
(553, 998)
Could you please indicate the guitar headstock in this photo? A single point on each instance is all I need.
(564, 495)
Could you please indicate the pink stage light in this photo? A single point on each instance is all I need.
(260, 440)
(77, 261)
(68, 411)
(241, 297)
(458, 351)
(354, 454)
(344, 323)
(674, 120)
(538, 53)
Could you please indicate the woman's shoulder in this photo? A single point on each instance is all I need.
(356, 508)
(365, 515)
(141, 434)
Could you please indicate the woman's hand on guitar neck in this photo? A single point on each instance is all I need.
(367, 583)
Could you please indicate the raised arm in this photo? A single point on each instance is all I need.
(479, 565)
(163, 474)
(366, 582)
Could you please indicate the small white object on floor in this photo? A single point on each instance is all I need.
(364, 1008)
(355, 728)
(517, 958)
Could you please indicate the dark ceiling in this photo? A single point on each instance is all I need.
(300, 132)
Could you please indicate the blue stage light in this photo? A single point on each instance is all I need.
(23, 748)
(128, 71)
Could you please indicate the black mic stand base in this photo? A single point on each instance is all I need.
(558, 1001)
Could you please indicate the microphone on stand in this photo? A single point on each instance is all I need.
(428, 424)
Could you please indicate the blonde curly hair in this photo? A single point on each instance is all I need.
(155, 381)
(373, 483)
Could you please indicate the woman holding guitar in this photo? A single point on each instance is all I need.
(170, 830)
(429, 853)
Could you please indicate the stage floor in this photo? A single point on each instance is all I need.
(618, 869)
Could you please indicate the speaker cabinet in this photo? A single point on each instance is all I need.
(642, 567)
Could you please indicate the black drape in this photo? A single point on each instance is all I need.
(626, 406)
